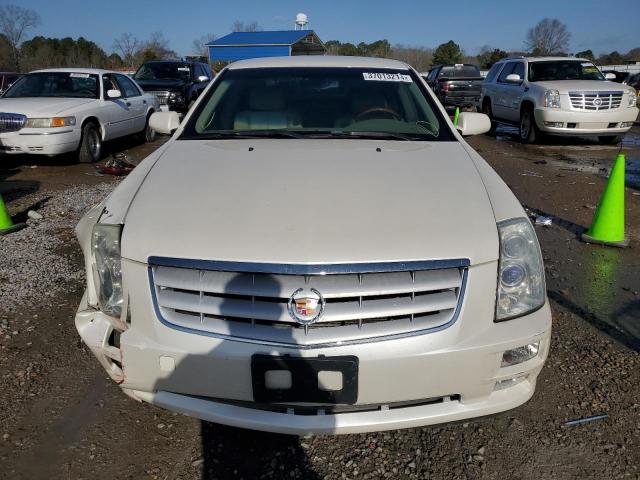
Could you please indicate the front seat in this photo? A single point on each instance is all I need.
(267, 111)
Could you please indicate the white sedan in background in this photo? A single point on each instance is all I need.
(50, 112)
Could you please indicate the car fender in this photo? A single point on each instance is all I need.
(533, 94)
(117, 203)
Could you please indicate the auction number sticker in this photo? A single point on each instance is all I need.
(79, 75)
(386, 77)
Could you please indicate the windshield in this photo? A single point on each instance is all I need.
(163, 71)
(55, 84)
(459, 71)
(318, 102)
(563, 70)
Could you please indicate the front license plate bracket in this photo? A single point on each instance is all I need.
(304, 379)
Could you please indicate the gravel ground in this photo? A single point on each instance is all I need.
(60, 417)
(36, 262)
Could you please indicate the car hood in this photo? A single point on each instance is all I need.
(41, 106)
(566, 86)
(311, 201)
(168, 84)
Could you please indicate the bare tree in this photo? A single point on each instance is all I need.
(239, 26)
(128, 46)
(419, 58)
(158, 47)
(14, 23)
(548, 37)
(200, 44)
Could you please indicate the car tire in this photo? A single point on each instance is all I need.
(609, 139)
(486, 109)
(148, 135)
(90, 148)
(528, 130)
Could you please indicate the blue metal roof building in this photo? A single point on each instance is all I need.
(243, 45)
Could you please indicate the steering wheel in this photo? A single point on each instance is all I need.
(86, 90)
(375, 110)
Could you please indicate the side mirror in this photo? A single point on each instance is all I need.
(164, 122)
(513, 78)
(203, 78)
(610, 76)
(114, 94)
(471, 123)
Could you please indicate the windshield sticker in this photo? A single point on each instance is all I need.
(590, 69)
(183, 69)
(386, 77)
(79, 75)
(586, 64)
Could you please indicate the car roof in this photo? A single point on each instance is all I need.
(181, 62)
(454, 65)
(325, 61)
(93, 71)
(543, 59)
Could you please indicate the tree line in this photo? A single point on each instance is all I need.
(547, 37)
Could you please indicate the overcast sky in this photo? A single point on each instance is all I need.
(602, 26)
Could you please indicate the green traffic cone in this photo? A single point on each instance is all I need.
(455, 117)
(607, 227)
(6, 224)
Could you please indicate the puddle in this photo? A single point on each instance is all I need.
(506, 133)
(601, 167)
(632, 173)
(631, 139)
(605, 288)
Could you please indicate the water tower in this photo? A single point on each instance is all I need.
(301, 22)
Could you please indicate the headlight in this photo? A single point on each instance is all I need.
(175, 96)
(521, 286)
(107, 270)
(632, 98)
(552, 99)
(50, 122)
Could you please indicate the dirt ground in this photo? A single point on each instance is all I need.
(61, 416)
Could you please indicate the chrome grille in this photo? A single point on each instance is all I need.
(595, 100)
(161, 95)
(11, 122)
(252, 305)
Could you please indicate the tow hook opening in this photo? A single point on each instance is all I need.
(113, 355)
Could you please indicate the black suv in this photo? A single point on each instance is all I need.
(177, 84)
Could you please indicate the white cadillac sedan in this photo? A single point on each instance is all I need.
(316, 250)
(50, 112)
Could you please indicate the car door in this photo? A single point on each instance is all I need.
(488, 89)
(116, 110)
(500, 100)
(200, 72)
(135, 101)
(513, 94)
(432, 76)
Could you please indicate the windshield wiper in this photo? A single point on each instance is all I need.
(370, 135)
(428, 126)
(276, 133)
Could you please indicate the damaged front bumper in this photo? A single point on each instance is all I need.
(101, 333)
(444, 376)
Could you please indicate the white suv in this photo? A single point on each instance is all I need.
(557, 95)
